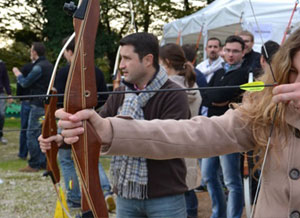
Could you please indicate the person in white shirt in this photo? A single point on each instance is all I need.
(214, 61)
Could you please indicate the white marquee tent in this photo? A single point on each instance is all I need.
(226, 17)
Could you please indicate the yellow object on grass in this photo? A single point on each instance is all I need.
(59, 211)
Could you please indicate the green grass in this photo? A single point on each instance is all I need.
(9, 159)
(12, 164)
(12, 122)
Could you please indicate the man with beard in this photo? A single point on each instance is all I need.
(208, 67)
(214, 61)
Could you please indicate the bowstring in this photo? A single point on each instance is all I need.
(273, 120)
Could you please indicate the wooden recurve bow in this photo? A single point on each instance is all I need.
(49, 129)
(81, 93)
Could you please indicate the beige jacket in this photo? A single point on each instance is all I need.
(204, 137)
(193, 178)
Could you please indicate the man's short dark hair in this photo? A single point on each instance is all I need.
(144, 44)
(189, 51)
(40, 48)
(71, 45)
(271, 47)
(215, 39)
(234, 38)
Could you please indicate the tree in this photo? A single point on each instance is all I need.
(27, 12)
(45, 20)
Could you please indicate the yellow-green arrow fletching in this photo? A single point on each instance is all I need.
(253, 87)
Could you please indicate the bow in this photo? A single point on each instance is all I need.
(81, 93)
(49, 128)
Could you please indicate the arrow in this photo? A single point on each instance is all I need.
(255, 86)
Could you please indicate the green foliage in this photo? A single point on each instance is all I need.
(46, 21)
(27, 12)
(58, 26)
(15, 56)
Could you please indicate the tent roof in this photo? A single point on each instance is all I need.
(225, 17)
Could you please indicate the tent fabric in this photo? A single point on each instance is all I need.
(227, 17)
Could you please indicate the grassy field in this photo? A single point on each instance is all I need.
(24, 195)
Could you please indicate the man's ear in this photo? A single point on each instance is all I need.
(262, 61)
(148, 60)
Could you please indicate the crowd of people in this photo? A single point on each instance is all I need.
(161, 141)
(149, 133)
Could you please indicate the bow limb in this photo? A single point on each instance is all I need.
(81, 93)
(51, 83)
(49, 128)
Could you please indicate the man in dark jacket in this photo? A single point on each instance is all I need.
(217, 101)
(37, 80)
(251, 57)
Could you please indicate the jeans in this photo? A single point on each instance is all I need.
(69, 174)
(230, 164)
(164, 207)
(2, 114)
(191, 204)
(25, 110)
(202, 183)
(37, 158)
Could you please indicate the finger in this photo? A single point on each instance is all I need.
(71, 140)
(43, 150)
(66, 133)
(61, 114)
(82, 115)
(46, 140)
(45, 146)
(285, 88)
(65, 124)
(285, 97)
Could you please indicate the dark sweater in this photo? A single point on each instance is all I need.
(62, 77)
(165, 177)
(220, 78)
(252, 61)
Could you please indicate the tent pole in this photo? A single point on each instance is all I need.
(290, 21)
(204, 45)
